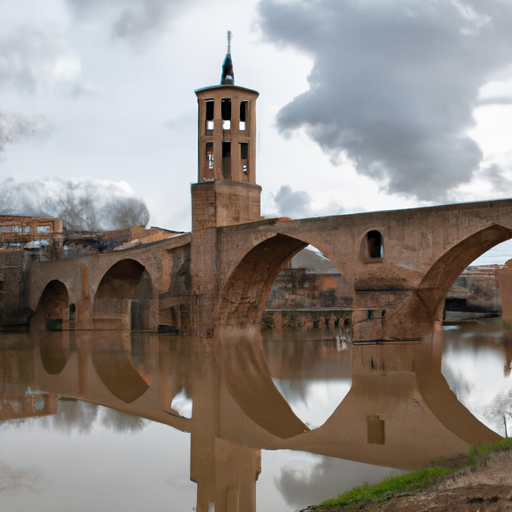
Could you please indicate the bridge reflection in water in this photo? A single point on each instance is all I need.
(399, 411)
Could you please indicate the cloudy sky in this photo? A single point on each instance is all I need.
(364, 104)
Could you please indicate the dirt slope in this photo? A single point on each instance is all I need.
(485, 488)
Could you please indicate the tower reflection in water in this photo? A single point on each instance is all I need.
(399, 411)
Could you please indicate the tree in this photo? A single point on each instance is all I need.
(124, 212)
(82, 205)
(77, 211)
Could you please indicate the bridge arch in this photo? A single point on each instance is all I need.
(245, 293)
(126, 298)
(115, 366)
(52, 309)
(244, 296)
(439, 279)
(54, 352)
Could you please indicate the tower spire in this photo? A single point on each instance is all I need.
(228, 75)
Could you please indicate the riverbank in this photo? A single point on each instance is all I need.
(480, 480)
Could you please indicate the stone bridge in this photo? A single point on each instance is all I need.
(399, 265)
(121, 289)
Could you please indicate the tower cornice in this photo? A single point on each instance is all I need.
(226, 86)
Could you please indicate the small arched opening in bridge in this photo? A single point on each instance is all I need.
(124, 298)
(372, 246)
(52, 312)
(375, 245)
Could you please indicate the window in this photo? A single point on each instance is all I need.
(375, 248)
(209, 114)
(209, 154)
(226, 113)
(244, 155)
(208, 170)
(226, 160)
(243, 115)
(376, 429)
(43, 229)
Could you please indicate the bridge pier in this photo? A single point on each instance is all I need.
(225, 472)
(393, 315)
(505, 280)
(204, 270)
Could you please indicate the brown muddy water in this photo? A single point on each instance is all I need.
(103, 421)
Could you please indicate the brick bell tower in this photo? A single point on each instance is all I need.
(226, 192)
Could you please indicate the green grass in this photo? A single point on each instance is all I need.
(411, 482)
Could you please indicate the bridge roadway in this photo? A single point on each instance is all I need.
(399, 265)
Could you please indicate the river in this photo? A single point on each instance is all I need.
(103, 421)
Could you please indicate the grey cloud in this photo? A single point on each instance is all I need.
(77, 90)
(394, 84)
(325, 479)
(499, 100)
(500, 183)
(293, 204)
(297, 203)
(136, 21)
(16, 127)
(14, 481)
(331, 208)
(32, 58)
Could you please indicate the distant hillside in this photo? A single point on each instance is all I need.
(313, 261)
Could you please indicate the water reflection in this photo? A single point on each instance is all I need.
(386, 405)
(476, 363)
